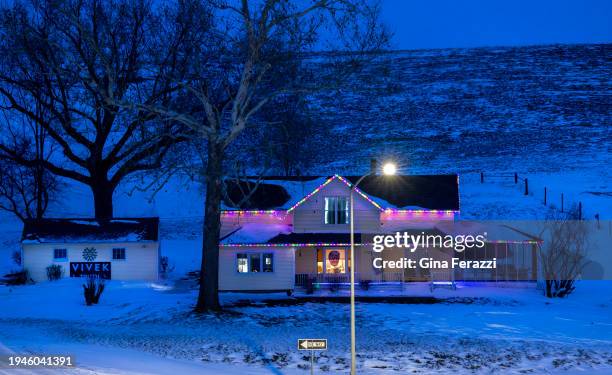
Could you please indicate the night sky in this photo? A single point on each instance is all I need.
(476, 23)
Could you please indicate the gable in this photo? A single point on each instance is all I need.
(335, 186)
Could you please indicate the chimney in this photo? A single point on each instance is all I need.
(373, 166)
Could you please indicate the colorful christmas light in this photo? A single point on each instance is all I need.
(417, 212)
(311, 194)
(317, 244)
(252, 212)
(359, 191)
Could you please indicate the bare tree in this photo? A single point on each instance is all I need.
(77, 59)
(285, 136)
(26, 191)
(234, 78)
(563, 255)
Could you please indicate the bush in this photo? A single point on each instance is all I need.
(165, 267)
(365, 284)
(93, 288)
(55, 272)
(17, 278)
(16, 257)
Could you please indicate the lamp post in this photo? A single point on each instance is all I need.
(388, 169)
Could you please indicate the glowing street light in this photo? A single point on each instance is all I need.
(389, 169)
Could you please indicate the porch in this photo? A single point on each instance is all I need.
(393, 286)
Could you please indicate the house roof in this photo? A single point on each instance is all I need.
(314, 238)
(434, 192)
(90, 230)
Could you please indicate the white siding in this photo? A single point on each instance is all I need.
(141, 259)
(309, 217)
(283, 277)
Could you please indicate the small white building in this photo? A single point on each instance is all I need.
(117, 249)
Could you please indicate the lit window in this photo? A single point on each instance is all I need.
(319, 261)
(119, 254)
(255, 262)
(243, 263)
(268, 262)
(336, 210)
(60, 254)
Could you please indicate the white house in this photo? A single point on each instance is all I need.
(118, 249)
(293, 230)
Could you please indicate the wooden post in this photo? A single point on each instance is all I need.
(561, 202)
(579, 210)
(526, 186)
(515, 178)
(481, 177)
(545, 195)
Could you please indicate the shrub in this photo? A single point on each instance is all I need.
(365, 284)
(93, 288)
(16, 257)
(563, 254)
(165, 267)
(55, 272)
(17, 278)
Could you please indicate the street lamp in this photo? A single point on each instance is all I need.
(388, 169)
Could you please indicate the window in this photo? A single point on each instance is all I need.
(119, 254)
(60, 254)
(268, 262)
(336, 210)
(319, 261)
(243, 263)
(254, 262)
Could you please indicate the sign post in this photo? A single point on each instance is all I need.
(312, 345)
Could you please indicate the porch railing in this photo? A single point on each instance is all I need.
(301, 279)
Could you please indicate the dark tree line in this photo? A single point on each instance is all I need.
(127, 85)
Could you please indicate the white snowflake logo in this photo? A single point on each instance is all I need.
(90, 254)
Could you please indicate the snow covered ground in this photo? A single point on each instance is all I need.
(515, 330)
(149, 328)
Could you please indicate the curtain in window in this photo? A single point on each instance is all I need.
(268, 262)
(242, 263)
(336, 210)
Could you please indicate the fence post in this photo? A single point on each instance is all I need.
(561, 202)
(526, 186)
(579, 210)
(482, 177)
(545, 195)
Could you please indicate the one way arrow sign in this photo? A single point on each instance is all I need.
(312, 344)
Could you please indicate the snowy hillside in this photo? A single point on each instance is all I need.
(523, 109)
